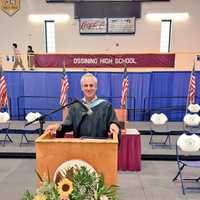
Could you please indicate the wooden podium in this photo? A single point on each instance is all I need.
(101, 154)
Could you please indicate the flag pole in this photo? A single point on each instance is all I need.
(124, 96)
(124, 100)
(65, 109)
(191, 74)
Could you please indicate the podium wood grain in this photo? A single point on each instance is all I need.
(99, 153)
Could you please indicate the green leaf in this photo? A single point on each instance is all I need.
(27, 196)
(39, 176)
(48, 175)
(86, 185)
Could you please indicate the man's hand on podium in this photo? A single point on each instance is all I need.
(53, 128)
(114, 129)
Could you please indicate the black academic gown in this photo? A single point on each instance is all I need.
(95, 125)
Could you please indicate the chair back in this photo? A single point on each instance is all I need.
(4, 120)
(186, 148)
(192, 123)
(31, 117)
(194, 108)
(159, 123)
(188, 143)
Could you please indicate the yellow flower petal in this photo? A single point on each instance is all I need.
(65, 187)
(39, 197)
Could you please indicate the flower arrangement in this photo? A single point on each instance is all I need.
(76, 183)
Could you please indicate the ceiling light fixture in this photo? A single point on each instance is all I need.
(163, 16)
(54, 17)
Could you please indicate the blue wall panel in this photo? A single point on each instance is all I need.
(142, 86)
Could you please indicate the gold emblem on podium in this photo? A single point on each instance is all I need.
(10, 7)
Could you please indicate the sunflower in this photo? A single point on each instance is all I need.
(65, 187)
(104, 197)
(40, 197)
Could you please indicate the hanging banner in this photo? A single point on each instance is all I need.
(104, 60)
(10, 7)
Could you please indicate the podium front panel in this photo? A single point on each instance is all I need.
(100, 154)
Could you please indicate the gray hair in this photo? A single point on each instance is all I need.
(88, 75)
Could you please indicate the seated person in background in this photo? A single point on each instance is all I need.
(100, 123)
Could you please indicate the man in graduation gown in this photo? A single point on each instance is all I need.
(99, 123)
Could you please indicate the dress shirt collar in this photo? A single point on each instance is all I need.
(89, 102)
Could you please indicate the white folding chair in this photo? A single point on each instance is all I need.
(186, 148)
(191, 123)
(33, 128)
(4, 127)
(20, 128)
(159, 126)
(194, 108)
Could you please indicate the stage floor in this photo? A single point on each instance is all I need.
(142, 127)
(145, 126)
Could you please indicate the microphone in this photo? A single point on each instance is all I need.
(85, 106)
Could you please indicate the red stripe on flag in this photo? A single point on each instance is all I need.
(192, 87)
(64, 90)
(124, 91)
(3, 93)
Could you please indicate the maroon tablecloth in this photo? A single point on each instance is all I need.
(129, 155)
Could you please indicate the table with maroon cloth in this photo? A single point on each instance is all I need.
(129, 155)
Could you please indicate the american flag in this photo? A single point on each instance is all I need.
(3, 92)
(64, 90)
(192, 87)
(124, 89)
